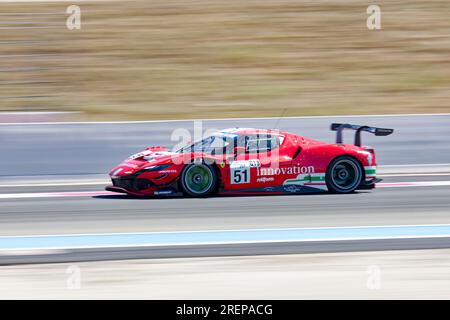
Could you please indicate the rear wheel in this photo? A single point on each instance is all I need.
(198, 180)
(344, 175)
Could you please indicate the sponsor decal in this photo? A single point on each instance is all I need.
(240, 171)
(292, 188)
(265, 179)
(168, 171)
(246, 163)
(285, 170)
(222, 165)
(164, 192)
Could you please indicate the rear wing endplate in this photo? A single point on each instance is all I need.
(339, 127)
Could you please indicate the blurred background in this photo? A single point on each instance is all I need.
(210, 59)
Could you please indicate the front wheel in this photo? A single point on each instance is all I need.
(198, 180)
(344, 175)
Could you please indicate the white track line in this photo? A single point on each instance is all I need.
(107, 181)
(56, 184)
(55, 194)
(413, 184)
(69, 194)
(412, 175)
(224, 119)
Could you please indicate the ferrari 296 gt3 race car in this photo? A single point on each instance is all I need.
(251, 161)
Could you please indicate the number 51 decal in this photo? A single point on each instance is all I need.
(240, 175)
(240, 170)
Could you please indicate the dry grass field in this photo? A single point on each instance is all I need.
(207, 58)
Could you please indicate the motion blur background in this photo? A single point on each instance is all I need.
(206, 59)
(212, 59)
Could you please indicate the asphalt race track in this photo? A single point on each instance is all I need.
(119, 213)
(76, 149)
(34, 150)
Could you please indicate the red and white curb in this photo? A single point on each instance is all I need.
(70, 194)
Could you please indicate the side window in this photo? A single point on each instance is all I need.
(251, 145)
(261, 143)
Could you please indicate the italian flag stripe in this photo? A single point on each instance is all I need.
(370, 170)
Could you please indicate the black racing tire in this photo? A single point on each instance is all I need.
(198, 180)
(344, 175)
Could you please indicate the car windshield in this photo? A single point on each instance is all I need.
(214, 144)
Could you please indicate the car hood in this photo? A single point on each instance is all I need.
(141, 160)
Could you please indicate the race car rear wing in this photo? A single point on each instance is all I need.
(339, 127)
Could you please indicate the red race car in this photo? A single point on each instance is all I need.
(251, 161)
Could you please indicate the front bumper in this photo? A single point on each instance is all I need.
(132, 183)
(122, 190)
(141, 186)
